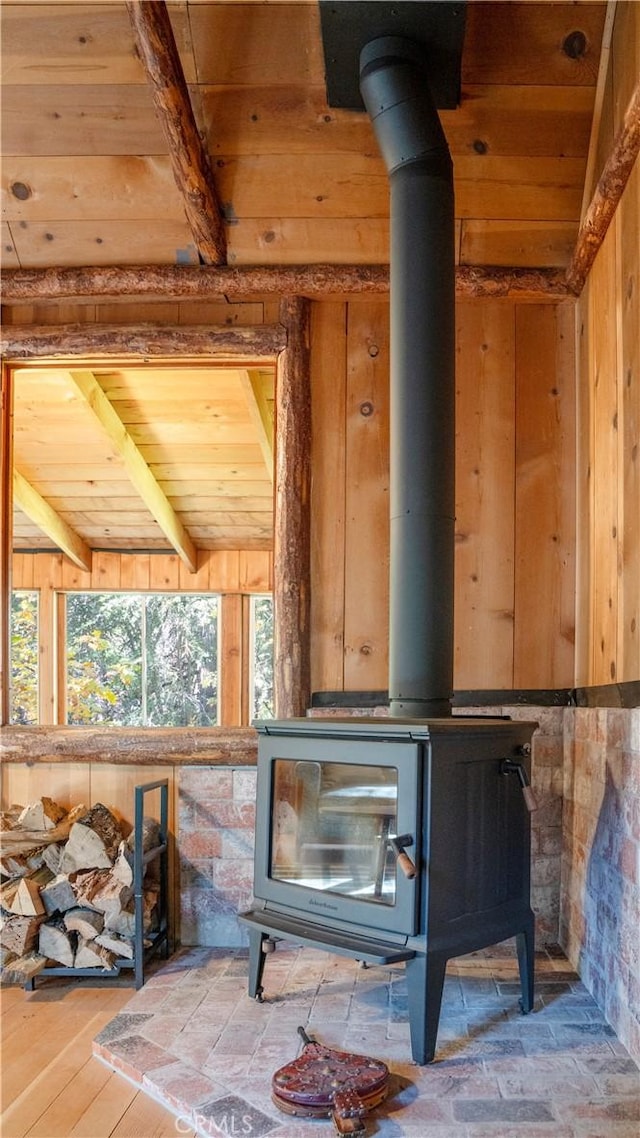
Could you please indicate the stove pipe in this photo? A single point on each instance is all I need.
(396, 94)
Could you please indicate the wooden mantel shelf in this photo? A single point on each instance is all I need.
(202, 746)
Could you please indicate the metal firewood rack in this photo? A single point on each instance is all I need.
(158, 940)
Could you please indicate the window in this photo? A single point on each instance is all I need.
(24, 657)
(262, 657)
(142, 659)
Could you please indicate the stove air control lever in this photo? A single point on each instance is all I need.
(510, 766)
(398, 845)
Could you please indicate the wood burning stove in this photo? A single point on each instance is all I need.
(404, 839)
(338, 800)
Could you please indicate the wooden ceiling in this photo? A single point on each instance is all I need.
(89, 180)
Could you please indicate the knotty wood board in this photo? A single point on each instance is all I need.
(366, 601)
(544, 589)
(328, 398)
(605, 462)
(629, 427)
(485, 494)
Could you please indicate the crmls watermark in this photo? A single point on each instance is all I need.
(230, 1124)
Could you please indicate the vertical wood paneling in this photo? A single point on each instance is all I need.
(328, 450)
(367, 498)
(47, 578)
(629, 428)
(485, 446)
(544, 619)
(105, 571)
(135, 572)
(584, 493)
(230, 661)
(605, 462)
(545, 498)
(69, 784)
(164, 572)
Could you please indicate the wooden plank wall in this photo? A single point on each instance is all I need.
(515, 498)
(608, 491)
(515, 511)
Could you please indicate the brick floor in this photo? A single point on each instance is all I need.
(194, 1040)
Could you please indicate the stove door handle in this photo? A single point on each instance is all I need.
(403, 859)
(510, 766)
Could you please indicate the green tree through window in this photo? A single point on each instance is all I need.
(142, 659)
(24, 657)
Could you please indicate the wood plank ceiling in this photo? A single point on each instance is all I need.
(88, 180)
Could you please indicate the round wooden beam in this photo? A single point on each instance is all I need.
(193, 282)
(292, 514)
(157, 50)
(231, 343)
(608, 192)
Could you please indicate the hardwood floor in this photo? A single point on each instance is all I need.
(52, 1086)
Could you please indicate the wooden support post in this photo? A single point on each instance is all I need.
(608, 192)
(292, 672)
(159, 54)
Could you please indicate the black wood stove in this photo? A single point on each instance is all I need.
(404, 839)
(394, 840)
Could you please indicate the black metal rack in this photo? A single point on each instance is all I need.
(159, 937)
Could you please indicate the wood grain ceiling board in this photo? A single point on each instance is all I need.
(194, 429)
(87, 179)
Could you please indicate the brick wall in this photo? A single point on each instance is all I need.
(600, 891)
(216, 824)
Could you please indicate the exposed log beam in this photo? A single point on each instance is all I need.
(192, 282)
(259, 343)
(614, 177)
(260, 413)
(49, 521)
(137, 470)
(157, 50)
(292, 515)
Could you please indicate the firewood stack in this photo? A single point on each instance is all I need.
(66, 896)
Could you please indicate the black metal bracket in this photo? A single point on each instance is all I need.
(435, 26)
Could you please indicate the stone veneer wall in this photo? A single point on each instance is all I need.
(600, 889)
(216, 825)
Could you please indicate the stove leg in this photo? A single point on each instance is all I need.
(256, 962)
(425, 981)
(525, 943)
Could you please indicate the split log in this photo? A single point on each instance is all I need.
(150, 835)
(122, 923)
(59, 895)
(8, 818)
(26, 901)
(99, 889)
(119, 946)
(24, 968)
(13, 865)
(19, 934)
(52, 856)
(92, 955)
(93, 841)
(18, 841)
(87, 922)
(42, 815)
(55, 943)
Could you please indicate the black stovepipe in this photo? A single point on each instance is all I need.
(396, 94)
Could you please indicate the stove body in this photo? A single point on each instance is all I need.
(394, 841)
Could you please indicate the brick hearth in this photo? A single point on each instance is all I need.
(192, 1039)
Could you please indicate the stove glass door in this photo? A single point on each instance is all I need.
(332, 827)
